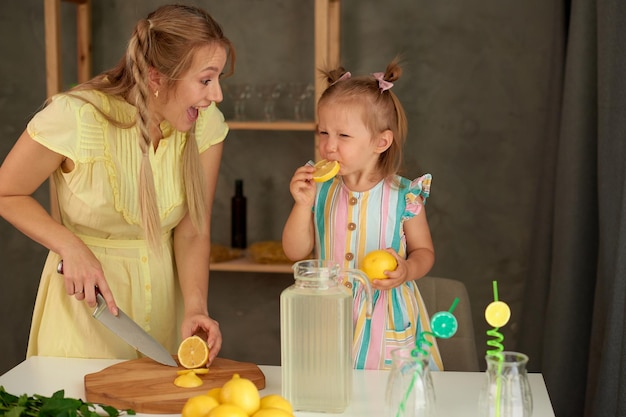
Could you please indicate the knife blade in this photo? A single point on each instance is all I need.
(125, 328)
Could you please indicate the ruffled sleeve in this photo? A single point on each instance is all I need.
(210, 127)
(418, 192)
(58, 125)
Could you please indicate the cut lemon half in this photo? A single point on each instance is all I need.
(193, 352)
(325, 170)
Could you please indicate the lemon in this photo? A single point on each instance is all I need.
(497, 313)
(227, 410)
(276, 401)
(241, 392)
(325, 170)
(189, 380)
(199, 406)
(376, 262)
(272, 412)
(215, 393)
(193, 352)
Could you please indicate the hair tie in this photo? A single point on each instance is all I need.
(346, 75)
(382, 83)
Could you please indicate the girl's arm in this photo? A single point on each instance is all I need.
(27, 166)
(192, 253)
(420, 254)
(299, 234)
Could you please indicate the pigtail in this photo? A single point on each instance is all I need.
(194, 180)
(136, 61)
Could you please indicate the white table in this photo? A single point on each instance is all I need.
(456, 392)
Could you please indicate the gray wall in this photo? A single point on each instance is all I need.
(474, 88)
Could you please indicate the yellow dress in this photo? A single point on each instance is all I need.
(99, 202)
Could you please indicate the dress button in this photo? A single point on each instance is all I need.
(351, 226)
(348, 284)
(349, 256)
(352, 201)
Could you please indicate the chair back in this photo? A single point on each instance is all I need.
(458, 352)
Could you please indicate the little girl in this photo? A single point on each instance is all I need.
(367, 206)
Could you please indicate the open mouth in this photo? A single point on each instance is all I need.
(192, 112)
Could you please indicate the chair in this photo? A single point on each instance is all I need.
(458, 352)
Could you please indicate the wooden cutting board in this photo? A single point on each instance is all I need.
(147, 386)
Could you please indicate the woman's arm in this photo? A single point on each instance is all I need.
(192, 252)
(27, 166)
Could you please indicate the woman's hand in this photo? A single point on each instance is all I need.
(207, 328)
(84, 277)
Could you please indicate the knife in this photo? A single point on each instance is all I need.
(129, 331)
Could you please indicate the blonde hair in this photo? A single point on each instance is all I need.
(166, 40)
(381, 109)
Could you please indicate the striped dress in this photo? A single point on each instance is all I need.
(351, 224)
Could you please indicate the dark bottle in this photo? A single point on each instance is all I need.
(238, 217)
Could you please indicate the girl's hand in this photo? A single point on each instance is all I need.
(396, 277)
(302, 187)
(207, 328)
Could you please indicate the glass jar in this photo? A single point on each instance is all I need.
(506, 392)
(316, 336)
(410, 391)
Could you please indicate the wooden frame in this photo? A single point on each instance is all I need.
(52, 19)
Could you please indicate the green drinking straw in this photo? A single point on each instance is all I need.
(497, 314)
(444, 325)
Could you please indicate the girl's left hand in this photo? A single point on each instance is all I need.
(396, 277)
(207, 328)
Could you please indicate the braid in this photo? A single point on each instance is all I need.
(136, 60)
(194, 182)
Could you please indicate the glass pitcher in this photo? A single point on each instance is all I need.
(410, 391)
(506, 392)
(316, 336)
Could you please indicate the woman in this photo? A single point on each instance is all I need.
(134, 155)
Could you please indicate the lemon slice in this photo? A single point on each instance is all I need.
(325, 170)
(444, 324)
(497, 313)
(189, 380)
(193, 352)
(197, 371)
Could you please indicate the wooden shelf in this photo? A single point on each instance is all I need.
(246, 265)
(277, 125)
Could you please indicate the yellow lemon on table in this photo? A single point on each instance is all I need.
(193, 352)
(199, 406)
(325, 170)
(376, 262)
(215, 393)
(276, 401)
(241, 392)
(227, 410)
(497, 313)
(272, 412)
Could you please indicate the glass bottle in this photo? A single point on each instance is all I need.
(316, 336)
(238, 217)
(506, 392)
(410, 391)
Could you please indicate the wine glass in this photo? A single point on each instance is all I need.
(240, 93)
(300, 93)
(269, 93)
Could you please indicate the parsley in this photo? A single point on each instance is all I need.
(55, 406)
